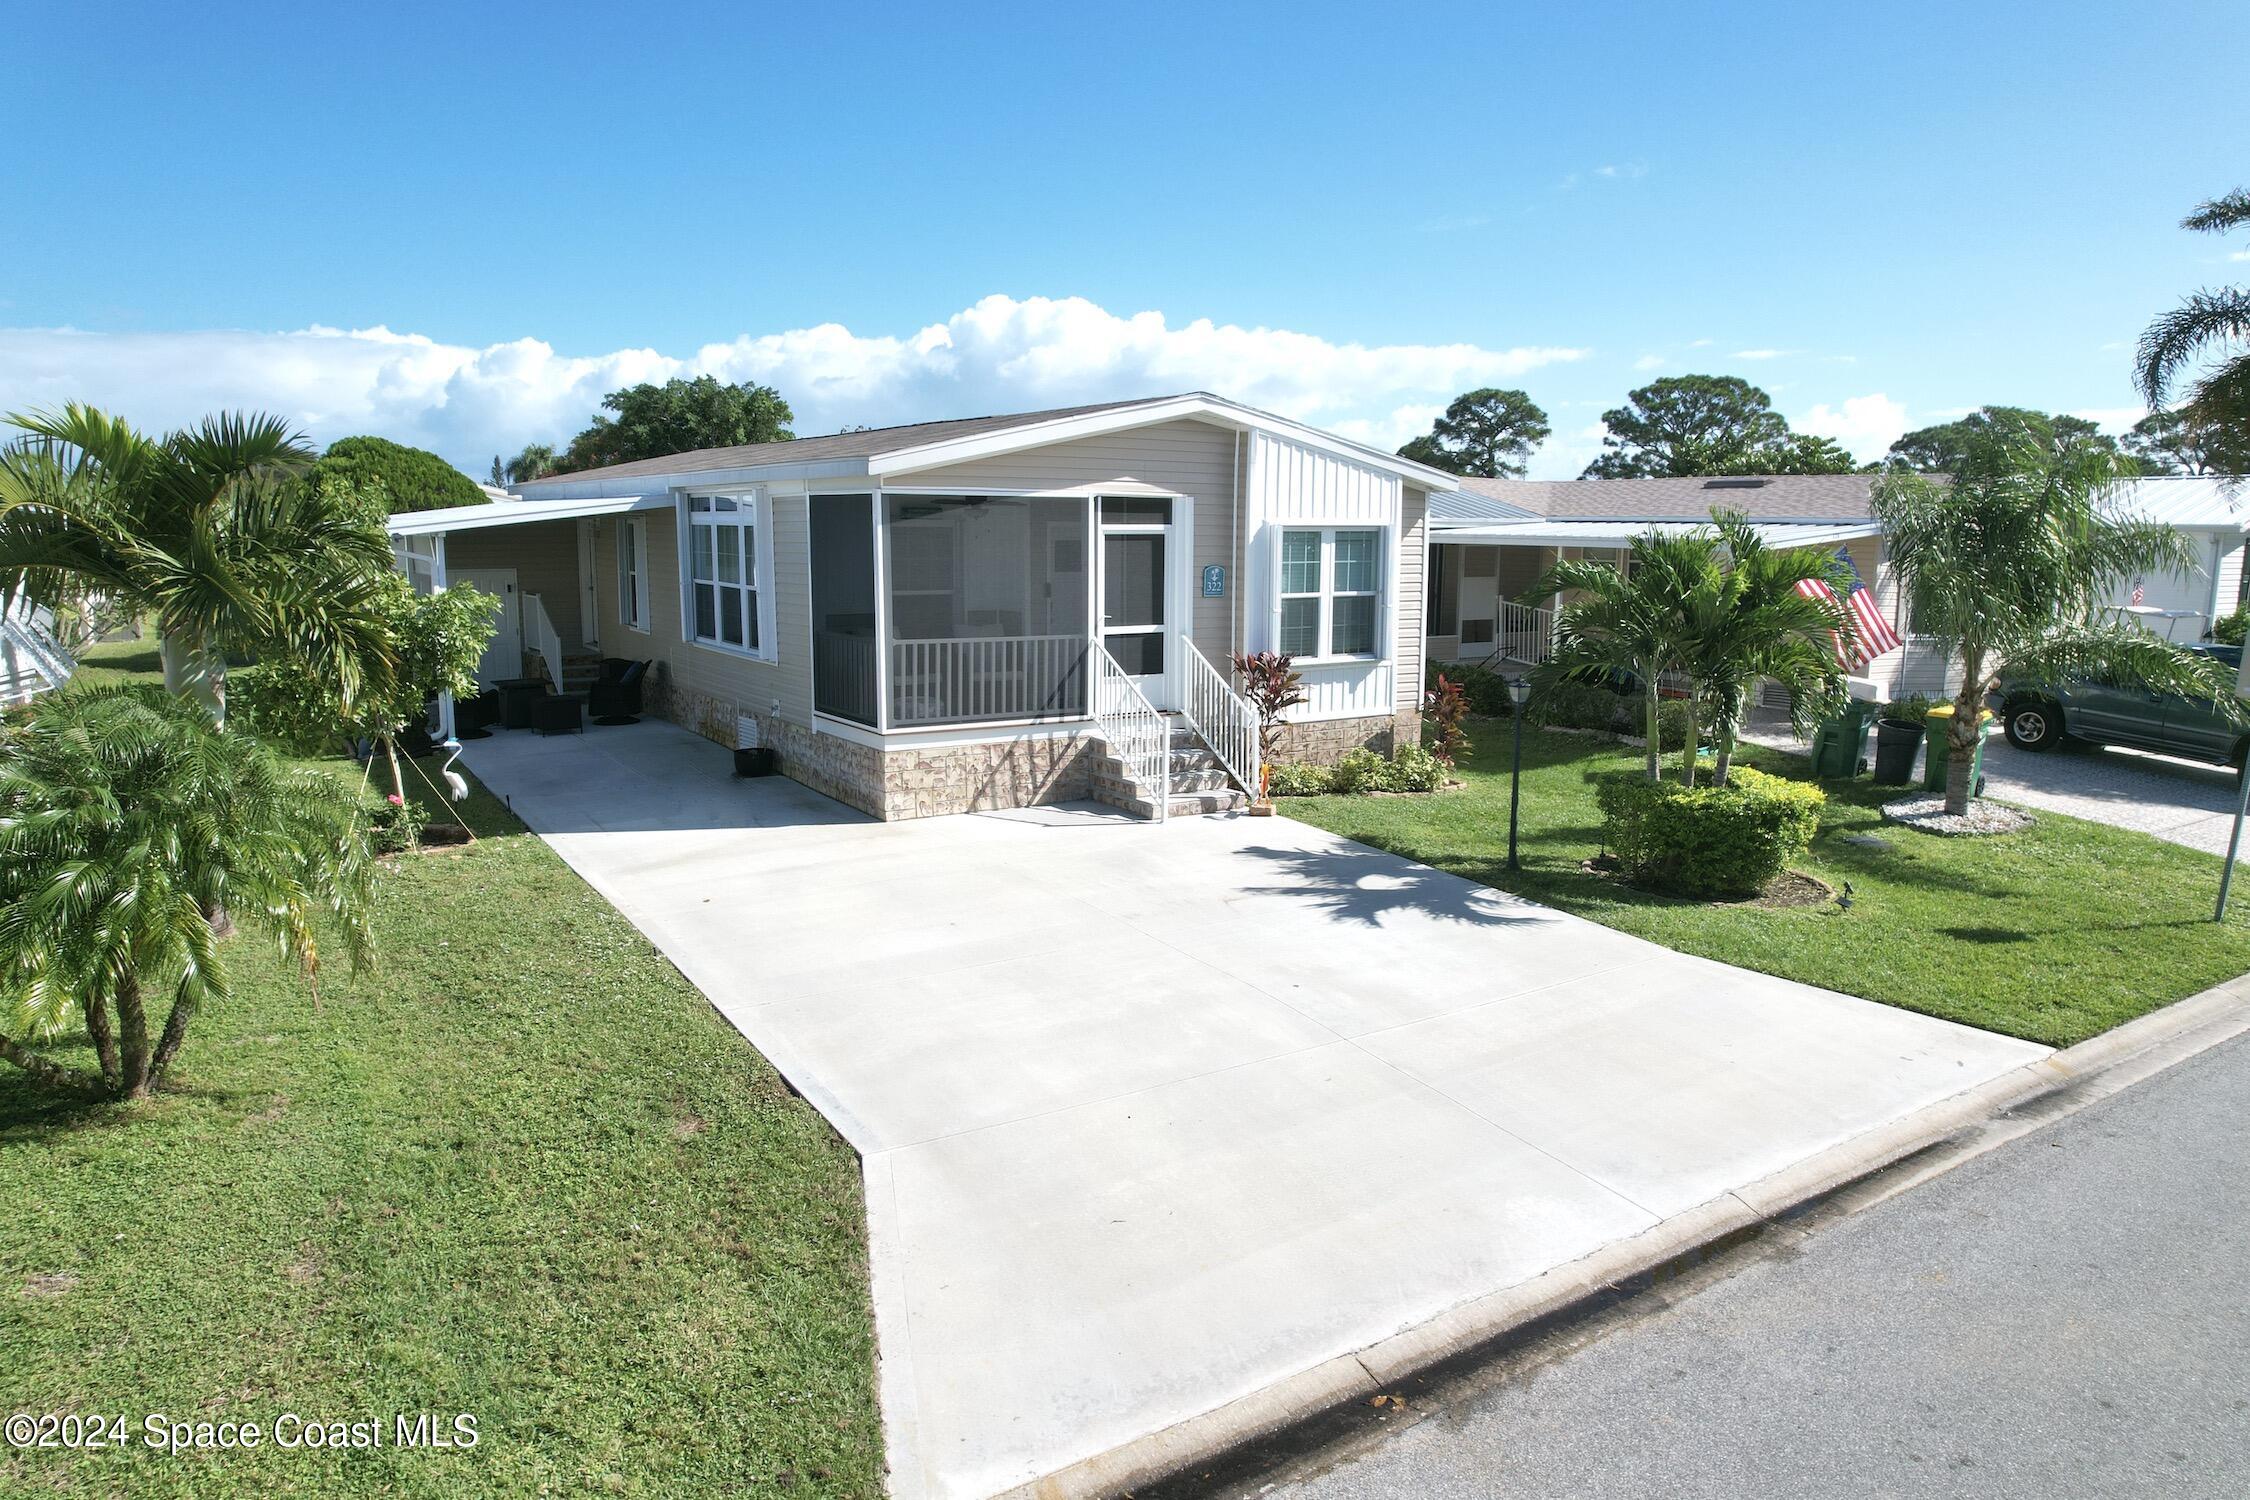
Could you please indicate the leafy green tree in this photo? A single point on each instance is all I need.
(213, 533)
(2010, 565)
(1486, 433)
(536, 461)
(125, 817)
(1746, 620)
(1687, 425)
(413, 478)
(679, 416)
(1949, 447)
(2178, 442)
(1630, 621)
(2211, 325)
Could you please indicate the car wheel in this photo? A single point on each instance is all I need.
(2034, 725)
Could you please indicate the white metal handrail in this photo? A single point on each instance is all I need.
(30, 636)
(1133, 728)
(540, 631)
(1523, 632)
(971, 678)
(1228, 724)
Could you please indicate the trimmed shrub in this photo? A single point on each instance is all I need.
(1578, 705)
(1708, 841)
(1415, 769)
(1297, 779)
(2230, 629)
(1360, 770)
(1486, 690)
(1671, 725)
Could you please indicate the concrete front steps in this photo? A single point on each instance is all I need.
(581, 669)
(1200, 784)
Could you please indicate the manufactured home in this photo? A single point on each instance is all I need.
(991, 612)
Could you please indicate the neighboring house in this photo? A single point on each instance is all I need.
(984, 613)
(1492, 538)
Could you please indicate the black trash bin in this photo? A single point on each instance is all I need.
(1895, 744)
(760, 761)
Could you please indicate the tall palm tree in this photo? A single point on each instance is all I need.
(2010, 565)
(1748, 619)
(2212, 322)
(124, 817)
(211, 532)
(1629, 619)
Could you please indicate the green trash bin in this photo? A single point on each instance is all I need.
(1839, 742)
(1937, 748)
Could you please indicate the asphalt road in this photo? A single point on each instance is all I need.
(2068, 1315)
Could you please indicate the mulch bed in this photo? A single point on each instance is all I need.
(1929, 815)
(1788, 889)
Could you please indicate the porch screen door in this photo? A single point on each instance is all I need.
(1133, 590)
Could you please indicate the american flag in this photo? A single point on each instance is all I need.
(1874, 635)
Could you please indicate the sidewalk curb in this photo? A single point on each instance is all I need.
(1953, 1130)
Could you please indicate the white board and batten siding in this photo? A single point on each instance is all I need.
(1290, 485)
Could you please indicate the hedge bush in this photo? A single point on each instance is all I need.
(2230, 628)
(1297, 779)
(1486, 690)
(1414, 769)
(1671, 724)
(1578, 705)
(1360, 770)
(1708, 841)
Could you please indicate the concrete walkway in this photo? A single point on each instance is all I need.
(1154, 1117)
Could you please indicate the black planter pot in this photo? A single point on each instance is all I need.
(759, 762)
(1895, 744)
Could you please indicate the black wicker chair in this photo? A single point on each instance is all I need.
(615, 697)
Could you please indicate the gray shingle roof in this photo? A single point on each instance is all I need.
(1778, 497)
(866, 444)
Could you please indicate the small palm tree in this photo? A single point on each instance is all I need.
(1629, 620)
(1748, 619)
(125, 816)
(209, 532)
(2213, 321)
(2010, 565)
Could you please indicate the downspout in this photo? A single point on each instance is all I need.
(1234, 555)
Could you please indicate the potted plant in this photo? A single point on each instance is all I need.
(1271, 687)
(1898, 735)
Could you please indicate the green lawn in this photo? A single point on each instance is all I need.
(2053, 934)
(520, 1170)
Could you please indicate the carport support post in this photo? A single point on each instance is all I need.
(2234, 844)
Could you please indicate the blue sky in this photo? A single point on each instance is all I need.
(1882, 215)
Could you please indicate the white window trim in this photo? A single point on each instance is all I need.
(1385, 583)
(632, 532)
(757, 504)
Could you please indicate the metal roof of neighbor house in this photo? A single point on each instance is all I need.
(2199, 501)
(1538, 533)
(1771, 497)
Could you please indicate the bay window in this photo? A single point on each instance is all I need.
(1331, 592)
(723, 581)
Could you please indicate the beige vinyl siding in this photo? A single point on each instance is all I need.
(1189, 458)
(545, 557)
(1406, 621)
(752, 684)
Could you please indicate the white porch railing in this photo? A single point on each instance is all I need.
(1134, 729)
(539, 635)
(1523, 632)
(32, 661)
(1227, 723)
(986, 678)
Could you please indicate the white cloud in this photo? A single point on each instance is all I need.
(2238, 255)
(2117, 418)
(1867, 425)
(1759, 353)
(1649, 362)
(1001, 354)
(1626, 170)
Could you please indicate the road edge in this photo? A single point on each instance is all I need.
(1851, 1176)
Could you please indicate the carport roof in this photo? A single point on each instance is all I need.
(1625, 533)
(516, 513)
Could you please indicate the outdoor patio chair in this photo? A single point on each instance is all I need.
(564, 713)
(615, 697)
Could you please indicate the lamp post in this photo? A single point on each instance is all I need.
(1519, 693)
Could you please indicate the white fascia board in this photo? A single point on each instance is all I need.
(696, 479)
(514, 513)
(1124, 419)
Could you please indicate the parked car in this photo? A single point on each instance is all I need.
(2037, 718)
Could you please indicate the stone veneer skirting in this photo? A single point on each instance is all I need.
(924, 781)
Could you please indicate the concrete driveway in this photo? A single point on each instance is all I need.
(1155, 1117)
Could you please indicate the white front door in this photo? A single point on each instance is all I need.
(1136, 591)
(504, 656)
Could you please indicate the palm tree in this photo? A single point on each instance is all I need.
(125, 816)
(2010, 564)
(210, 532)
(2209, 322)
(1748, 619)
(1629, 620)
(535, 462)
